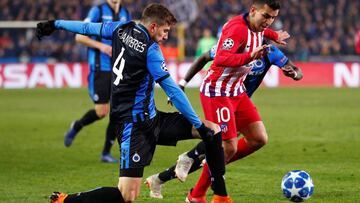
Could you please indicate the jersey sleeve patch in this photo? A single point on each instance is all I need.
(156, 64)
(228, 44)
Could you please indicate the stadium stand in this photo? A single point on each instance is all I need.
(318, 27)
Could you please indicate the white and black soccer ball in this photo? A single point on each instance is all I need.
(228, 44)
(297, 185)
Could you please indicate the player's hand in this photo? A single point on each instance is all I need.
(259, 51)
(45, 29)
(106, 49)
(282, 36)
(205, 132)
(292, 73)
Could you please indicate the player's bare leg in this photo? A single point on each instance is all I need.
(129, 188)
(255, 137)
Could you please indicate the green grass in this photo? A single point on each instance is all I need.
(317, 130)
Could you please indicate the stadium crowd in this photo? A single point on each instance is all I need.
(318, 27)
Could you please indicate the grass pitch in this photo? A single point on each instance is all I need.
(317, 130)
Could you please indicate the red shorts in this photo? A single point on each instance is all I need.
(231, 113)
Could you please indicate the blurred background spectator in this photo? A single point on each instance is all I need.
(325, 28)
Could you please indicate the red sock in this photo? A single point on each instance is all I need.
(243, 149)
(203, 183)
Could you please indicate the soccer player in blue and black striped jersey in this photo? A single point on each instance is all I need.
(99, 78)
(137, 63)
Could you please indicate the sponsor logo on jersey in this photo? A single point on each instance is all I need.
(257, 67)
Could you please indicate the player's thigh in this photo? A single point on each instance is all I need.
(220, 111)
(129, 187)
(255, 132)
(172, 128)
(246, 113)
(137, 145)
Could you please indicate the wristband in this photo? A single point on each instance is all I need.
(295, 75)
(183, 82)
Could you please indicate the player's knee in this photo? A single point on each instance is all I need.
(230, 149)
(102, 111)
(259, 141)
(129, 195)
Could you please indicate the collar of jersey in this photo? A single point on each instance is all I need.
(246, 21)
(143, 28)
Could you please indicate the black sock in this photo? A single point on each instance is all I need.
(110, 138)
(168, 174)
(98, 195)
(216, 162)
(88, 118)
(198, 150)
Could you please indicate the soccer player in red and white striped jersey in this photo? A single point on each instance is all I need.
(223, 95)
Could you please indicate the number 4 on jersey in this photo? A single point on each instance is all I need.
(118, 71)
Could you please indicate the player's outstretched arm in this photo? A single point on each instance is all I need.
(276, 36)
(195, 67)
(87, 41)
(290, 70)
(104, 30)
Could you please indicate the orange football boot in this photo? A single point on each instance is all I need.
(58, 197)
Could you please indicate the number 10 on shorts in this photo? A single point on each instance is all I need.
(223, 115)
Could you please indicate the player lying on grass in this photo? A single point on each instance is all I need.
(191, 161)
(137, 64)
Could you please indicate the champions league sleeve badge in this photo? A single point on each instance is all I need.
(228, 44)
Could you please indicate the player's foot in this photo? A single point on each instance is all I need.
(107, 158)
(221, 199)
(154, 184)
(183, 166)
(58, 197)
(192, 199)
(70, 135)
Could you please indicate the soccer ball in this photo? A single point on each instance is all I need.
(297, 186)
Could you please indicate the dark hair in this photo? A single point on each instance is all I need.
(273, 4)
(159, 14)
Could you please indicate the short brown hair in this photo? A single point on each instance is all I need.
(273, 4)
(159, 14)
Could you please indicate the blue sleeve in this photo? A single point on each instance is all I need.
(93, 15)
(156, 63)
(180, 101)
(213, 52)
(104, 30)
(277, 57)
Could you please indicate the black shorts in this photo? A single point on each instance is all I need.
(99, 86)
(138, 140)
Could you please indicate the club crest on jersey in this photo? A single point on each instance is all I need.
(224, 127)
(163, 66)
(228, 44)
(136, 157)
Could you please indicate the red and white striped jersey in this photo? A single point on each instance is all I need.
(233, 61)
